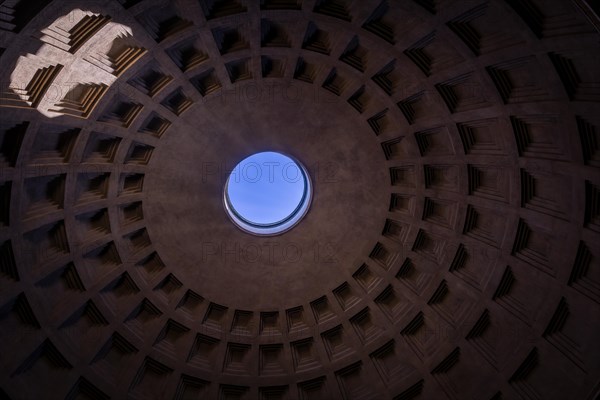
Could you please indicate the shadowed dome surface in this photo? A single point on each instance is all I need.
(450, 250)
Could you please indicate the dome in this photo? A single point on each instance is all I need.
(444, 244)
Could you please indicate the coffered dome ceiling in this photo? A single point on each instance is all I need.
(451, 249)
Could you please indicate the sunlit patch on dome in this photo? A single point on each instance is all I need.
(83, 54)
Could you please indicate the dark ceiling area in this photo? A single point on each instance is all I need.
(451, 249)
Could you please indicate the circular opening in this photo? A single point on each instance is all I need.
(267, 193)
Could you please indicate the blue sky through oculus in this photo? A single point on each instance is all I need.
(266, 188)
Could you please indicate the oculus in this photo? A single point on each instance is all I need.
(267, 193)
